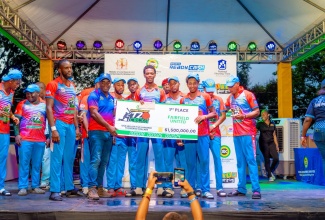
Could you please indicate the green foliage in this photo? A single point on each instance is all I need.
(243, 74)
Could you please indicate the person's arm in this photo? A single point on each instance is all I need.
(221, 119)
(50, 117)
(17, 134)
(99, 119)
(76, 124)
(305, 126)
(144, 204)
(276, 141)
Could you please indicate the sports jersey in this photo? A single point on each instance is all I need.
(316, 111)
(148, 95)
(170, 100)
(5, 105)
(65, 101)
(32, 120)
(219, 105)
(204, 102)
(266, 132)
(83, 106)
(84, 93)
(244, 103)
(130, 97)
(105, 107)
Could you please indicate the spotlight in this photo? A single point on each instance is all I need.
(98, 45)
(157, 45)
(119, 44)
(177, 46)
(232, 46)
(61, 45)
(251, 46)
(270, 46)
(213, 46)
(81, 45)
(137, 45)
(195, 46)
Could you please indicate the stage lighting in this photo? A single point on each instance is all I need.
(195, 46)
(177, 46)
(213, 46)
(232, 46)
(98, 45)
(61, 45)
(157, 45)
(119, 44)
(137, 45)
(81, 45)
(251, 46)
(270, 46)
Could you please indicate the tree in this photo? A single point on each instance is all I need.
(243, 74)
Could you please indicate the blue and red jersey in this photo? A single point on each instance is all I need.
(65, 101)
(245, 103)
(105, 107)
(219, 106)
(5, 106)
(32, 120)
(170, 100)
(204, 102)
(149, 95)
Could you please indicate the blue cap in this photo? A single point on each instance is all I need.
(97, 80)
(323, 84)
(134, 79)
(105, 76)
(231, 81)
(32, 88)
(209, 85)
(13, 74)
(118, 79)
(193, 75)
(173, 78)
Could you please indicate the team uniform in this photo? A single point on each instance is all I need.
(199, 148)
(244, 138)
(63, 153)
(5, 105)
(32, 131)
(99, 137)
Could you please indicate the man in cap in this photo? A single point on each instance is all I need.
(30, 137)
(101, 132)
(199, 147)
(245, 109)
(215, 135)
(61, 113)
(9, 84)
(165, 85)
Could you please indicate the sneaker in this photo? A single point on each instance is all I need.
(73, 193)
(169, 190)
(120, 192)
(44, 186)
(62, 193)
(22, 192)
(274, 178)
(92, 194)
(104, 193)
(85, 190)
(133, 192)
(207, 195)
(256, 195)
(198, 192)
(164, 193)
(221, 193)
(271, 179)
(38, 191)
(183, 194)
(236, 193)
(5, 192)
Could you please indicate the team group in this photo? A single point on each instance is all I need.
(56, 114)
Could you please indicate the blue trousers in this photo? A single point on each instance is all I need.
(100, 149)
(215, 145)
(30, 152)
(198, 150)
(319, 138)
(246, 152)
(84, 166)
(142, 159)
(45, 180)
(4, 148)
(131, 143)
(62, 157)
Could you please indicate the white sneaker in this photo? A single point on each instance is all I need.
(208, 195)
(160, 191)
(274, 178)
(169, 190)
(22, 192)
(138, 191)
(271, 179)
(85, 190)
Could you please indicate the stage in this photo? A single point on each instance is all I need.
(282, 199)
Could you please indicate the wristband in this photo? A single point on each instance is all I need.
(190, 194)
(214, 126)
(148, 191)
(53, 128)
(303, 137)
(192, 200)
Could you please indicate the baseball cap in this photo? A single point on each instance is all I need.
(232, 80)
(173, 78)
(209, 85)
(134, 79)
(97, 79)
(323, 84)
(165, 81)
(13, 74)
(193, 75)
(32, 88)
(118, 79)
(105, 76)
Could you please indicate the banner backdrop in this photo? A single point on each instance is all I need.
(217, 67)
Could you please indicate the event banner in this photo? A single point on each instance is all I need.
(156, 120)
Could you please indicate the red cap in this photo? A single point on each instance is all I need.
(165, 81)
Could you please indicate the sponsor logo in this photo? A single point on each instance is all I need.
(229, 177)
(136, 115)
(48, 92)
(121, 64)
(305, 162)
(152, 62)
(224, 151)
(192, 67)
(222, 64)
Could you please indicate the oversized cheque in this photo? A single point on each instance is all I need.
(156, 120)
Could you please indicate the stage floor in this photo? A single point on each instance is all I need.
(282, 199)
